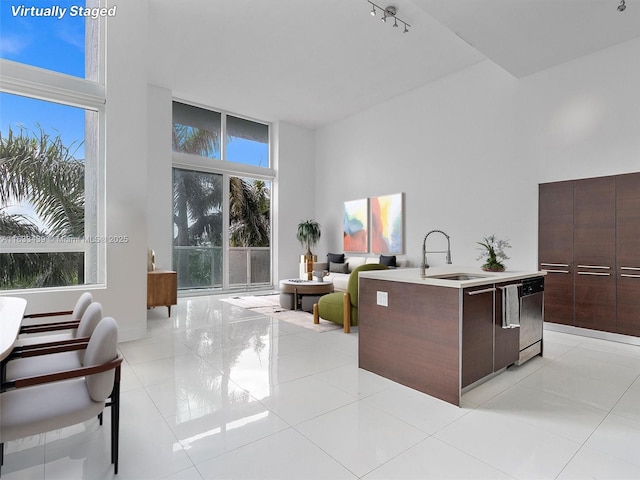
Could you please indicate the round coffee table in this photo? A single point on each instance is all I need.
(296, 293)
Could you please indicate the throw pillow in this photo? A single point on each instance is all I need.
(338, 267)
(388, 260)
(335, 258)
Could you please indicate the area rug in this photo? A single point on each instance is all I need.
(270, 305)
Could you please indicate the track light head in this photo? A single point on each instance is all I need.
(623, 6)
(373, 11)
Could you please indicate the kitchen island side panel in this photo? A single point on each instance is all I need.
(415, 340)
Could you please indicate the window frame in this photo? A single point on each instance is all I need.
(228, 169)
(50, 86)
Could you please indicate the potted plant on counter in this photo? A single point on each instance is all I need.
(493, 253)
(308, 235)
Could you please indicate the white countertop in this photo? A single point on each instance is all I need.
(412, 275)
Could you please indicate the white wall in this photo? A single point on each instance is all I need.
(294, 200)
(159, 176)
(470, 149)
(124, 297)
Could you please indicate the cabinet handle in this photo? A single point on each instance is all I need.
(556, 271)
(601, 274)
(628, 275)
(478, 292)
(629, 268)
(603, 267)
(554, 265)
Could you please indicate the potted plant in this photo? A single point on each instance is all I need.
(493, 253)
(308, 235)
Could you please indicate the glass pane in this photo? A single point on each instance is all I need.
(48, 191)
(55, 36)
(238, 264)
(196, 131)
(247, 142)
(249, 231)
(197, 228)
(37, 270)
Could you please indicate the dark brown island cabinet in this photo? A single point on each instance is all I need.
(434, 335)
(589, 245)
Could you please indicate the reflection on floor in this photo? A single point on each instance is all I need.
(221, 392)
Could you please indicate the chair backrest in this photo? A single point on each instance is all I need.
(352, 285)
(102, 348)
(88, 323)
(81, 305)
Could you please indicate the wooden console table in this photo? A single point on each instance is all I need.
(162, 289)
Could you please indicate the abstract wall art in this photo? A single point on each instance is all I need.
(356, 226)
(387, 224)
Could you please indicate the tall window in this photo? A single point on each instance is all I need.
(222, 208)
(51, 111)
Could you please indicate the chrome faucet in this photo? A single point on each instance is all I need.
(425, 265)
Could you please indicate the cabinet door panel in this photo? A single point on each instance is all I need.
(477, 333)
(555, 249)
(555, 223)
(628, 253)
(594, 241)
(594, 248)
(596, 302)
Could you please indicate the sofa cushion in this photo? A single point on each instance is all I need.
(355, 262)
(338, 267)
(335, 258)
(388, 260)
(340, 282)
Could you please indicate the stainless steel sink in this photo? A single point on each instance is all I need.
(458, 277)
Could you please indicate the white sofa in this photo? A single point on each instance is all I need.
(340, 280)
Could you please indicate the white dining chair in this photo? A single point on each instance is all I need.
(71, 322)
(65, 350)
(37, 404)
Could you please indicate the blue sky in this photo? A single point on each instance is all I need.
(48, 43)
(43, 41)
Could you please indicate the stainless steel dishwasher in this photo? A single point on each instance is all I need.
(531, 318)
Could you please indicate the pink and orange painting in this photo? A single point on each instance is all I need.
(387, 224)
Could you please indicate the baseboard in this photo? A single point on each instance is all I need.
(585, 332)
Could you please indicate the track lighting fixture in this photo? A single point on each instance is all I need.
(623, 6)
(389, 12)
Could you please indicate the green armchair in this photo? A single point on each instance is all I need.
(342, 307)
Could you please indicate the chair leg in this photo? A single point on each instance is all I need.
(316, 314)
(100, 418)
(346, 312)
(115, 421)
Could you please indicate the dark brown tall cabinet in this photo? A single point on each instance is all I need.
(589, 243)
(628, 253)
(555, 249)
(594, 253)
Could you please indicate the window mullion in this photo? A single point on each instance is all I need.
(225, 231)
(223, 137)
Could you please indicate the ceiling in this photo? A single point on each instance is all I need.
(312, 62)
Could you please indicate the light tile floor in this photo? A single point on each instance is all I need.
(221, 392)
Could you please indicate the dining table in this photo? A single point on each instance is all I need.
(11, 312)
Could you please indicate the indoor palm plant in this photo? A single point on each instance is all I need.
(308, 235)
(493, 253)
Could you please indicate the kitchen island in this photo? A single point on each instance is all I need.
(441, 334)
